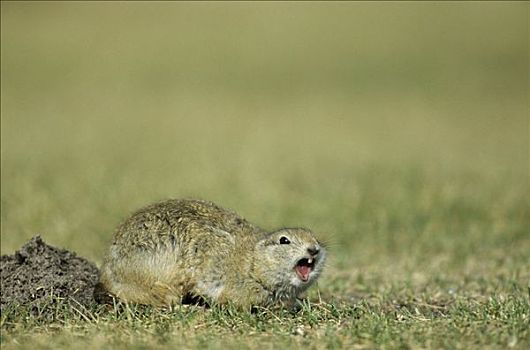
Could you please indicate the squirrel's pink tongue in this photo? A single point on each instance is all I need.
(303, 271)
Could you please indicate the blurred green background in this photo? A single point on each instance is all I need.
(398, 131)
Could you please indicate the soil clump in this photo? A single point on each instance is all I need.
(38, 276)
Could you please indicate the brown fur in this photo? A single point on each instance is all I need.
(178, 249)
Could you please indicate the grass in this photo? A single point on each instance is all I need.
(395, 317)
(398, 132)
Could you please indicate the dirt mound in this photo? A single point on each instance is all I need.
(38, 275)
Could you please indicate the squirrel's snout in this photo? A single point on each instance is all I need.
(314, 250)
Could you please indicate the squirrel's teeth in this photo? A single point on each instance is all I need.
(309, 261)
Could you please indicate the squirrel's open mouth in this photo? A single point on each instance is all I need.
(304, 267)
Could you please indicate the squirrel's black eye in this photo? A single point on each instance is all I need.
(284, 240)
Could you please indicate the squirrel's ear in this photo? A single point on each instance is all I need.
(265, 239)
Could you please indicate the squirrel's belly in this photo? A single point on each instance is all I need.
(210, 288)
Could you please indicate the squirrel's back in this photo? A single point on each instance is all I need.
(171, 220)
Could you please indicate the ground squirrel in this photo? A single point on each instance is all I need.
(178, 249)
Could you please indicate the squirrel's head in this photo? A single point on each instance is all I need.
(290, 257)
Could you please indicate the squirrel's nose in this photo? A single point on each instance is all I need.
(313, 250)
